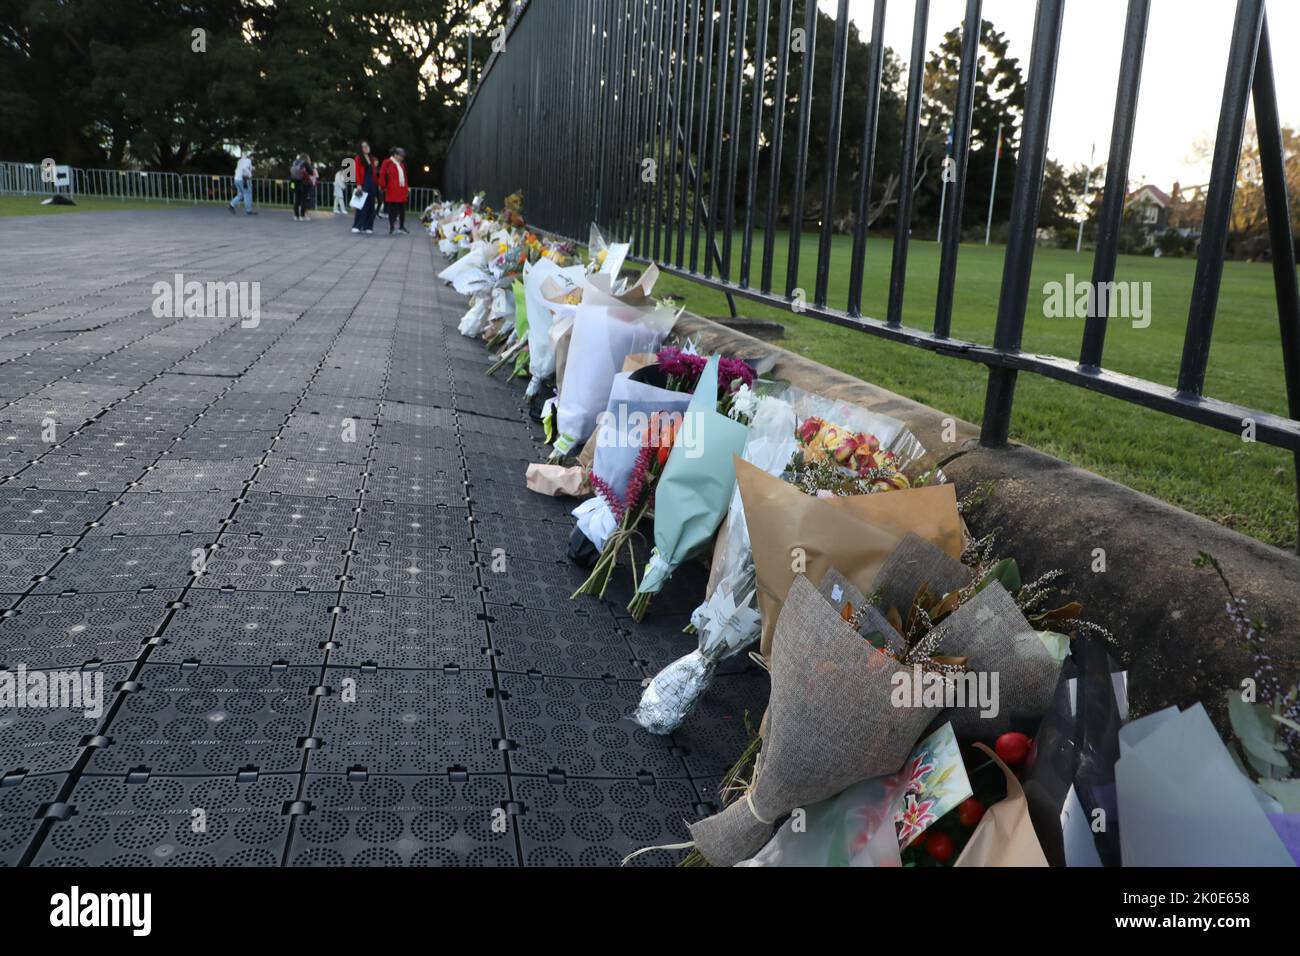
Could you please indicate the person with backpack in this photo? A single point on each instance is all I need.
(304, 177)
(243, 184)
(396, 187)
(367, 175)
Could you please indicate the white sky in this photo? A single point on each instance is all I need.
(1182, 75)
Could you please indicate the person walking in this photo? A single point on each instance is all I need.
(340, 191)
(367, 173)
(244, 184)
(303, 174)
(392, 180)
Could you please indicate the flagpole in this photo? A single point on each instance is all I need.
(993, 186)
(1087, 186)
(943, 184)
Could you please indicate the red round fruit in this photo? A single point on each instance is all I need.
(1012, 748)
(970, 812)
(939, 846)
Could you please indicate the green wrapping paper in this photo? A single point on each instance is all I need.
(694, 491)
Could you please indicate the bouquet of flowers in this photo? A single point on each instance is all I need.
(698, 478)
(668, 392)
(546, 275)
(607, 327)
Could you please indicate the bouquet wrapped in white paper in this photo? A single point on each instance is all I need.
(607, 328)
(544, 284)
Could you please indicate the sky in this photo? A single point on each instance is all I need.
(1183, 71)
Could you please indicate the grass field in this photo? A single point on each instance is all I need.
(31, 205)
(1246, 486)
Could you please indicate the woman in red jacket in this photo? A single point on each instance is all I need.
(396, 187)
(365, 176)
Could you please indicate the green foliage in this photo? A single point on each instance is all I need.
(111, 84)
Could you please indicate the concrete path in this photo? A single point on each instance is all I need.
(287, 569)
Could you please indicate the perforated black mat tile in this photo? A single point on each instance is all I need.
(168, 512)
(315, 479)
(575, 822)
(405, 821)
(210, 719)
(402, 721)
(409, 632)
(127, 564)
(296, 517)
(248, 627)
(173, 821)
(33, 511)
(581, 727)
(21, 799)
(713, 735)
(42, 738)
(263, 563)
(579, 641)
(23, 558)
(68, 630)
(407, 524)
(413, 572)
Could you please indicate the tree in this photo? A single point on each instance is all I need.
(999, 102)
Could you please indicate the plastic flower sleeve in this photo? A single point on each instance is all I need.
(603, 336)
(475, 320)
(620, 432)
(541, 315)
(727, 622)
(696, 486)
(892, 433)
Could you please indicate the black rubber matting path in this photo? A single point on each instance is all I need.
(274, 591)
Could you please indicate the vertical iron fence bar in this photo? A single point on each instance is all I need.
(961, 135)
(907, 166)
(1272, 161)
(645, 133)
(676, 183)
(632, 98)
(801, 148)
(706, 75)
(599, 92)
(688, 128)
(1218, 200)
(622, 75)
(839, 60)
(755, 125)
(778, 141)
(649, 111)
(663, 94)
(733, 146)
(866, 168)
(1025, 197)
(1116, 189)
(724, 29)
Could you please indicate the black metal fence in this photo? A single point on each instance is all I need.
(634, 114)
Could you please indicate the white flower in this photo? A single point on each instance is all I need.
(743, 404)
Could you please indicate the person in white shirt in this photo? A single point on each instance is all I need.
(341, 192)
(244, 184)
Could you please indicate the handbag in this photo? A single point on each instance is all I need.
(358, 200)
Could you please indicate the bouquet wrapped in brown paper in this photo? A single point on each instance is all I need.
(1005, 835)
(793, 533)
(830, 724)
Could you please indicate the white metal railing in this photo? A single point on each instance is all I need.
(133, 184)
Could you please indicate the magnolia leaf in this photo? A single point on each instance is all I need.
(895, 619)
(1065, 612)
(1006, 573)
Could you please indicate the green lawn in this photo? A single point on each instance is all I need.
(31, 205)
(1247, 486)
